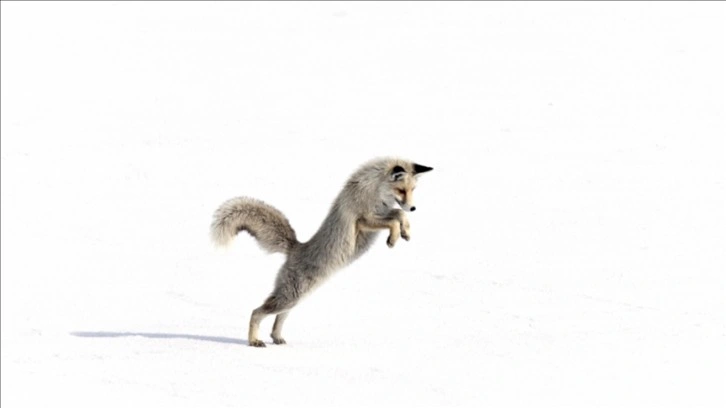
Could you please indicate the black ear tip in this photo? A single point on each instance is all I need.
(419, 168)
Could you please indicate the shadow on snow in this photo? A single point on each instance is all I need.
(215, 339)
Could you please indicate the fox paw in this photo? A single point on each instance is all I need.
(406, 235)
(390, 242)
(257, 343)
(279, 340)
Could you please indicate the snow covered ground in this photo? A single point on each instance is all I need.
(567, 251)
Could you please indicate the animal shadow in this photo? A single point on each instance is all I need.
(195, 337)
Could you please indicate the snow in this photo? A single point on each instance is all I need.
(567, 250)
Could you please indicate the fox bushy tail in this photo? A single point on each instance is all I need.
(259, 219)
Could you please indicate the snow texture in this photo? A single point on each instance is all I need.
(567, 250)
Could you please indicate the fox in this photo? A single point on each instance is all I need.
(375, 198)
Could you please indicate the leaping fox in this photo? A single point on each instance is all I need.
(364, 207)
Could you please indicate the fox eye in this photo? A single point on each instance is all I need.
(402, 192)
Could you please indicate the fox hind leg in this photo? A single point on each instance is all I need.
(273, 305)
(253, 338)
(277, 328)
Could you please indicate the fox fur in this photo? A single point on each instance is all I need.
(364, 207)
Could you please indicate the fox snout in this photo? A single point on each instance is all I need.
(405, 207)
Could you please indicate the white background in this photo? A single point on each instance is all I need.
(568, 248)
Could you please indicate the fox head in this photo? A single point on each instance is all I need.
(402, 182)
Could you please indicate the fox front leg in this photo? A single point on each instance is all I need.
(395, 232)
(405, 225)
(391, 223)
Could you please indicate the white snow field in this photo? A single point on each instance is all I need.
(567, 251)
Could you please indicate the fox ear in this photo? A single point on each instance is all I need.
(418, 168)
(397, 173)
